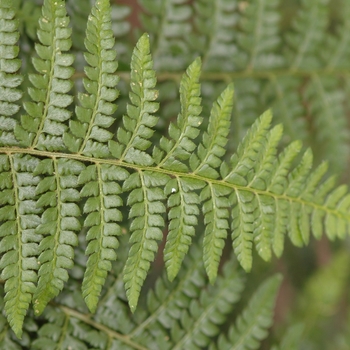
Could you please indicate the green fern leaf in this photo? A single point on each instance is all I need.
(183, 202)
(309, 26)
(277, 185)
(213, 20)
(204, 164)
(265, 222)
(10, 80)
(168, 23)
(251, 326)
(63, 173)
(245, 203)
(8, 339)
(212, 148)
(89, 134)
(44, 125)
(259, 38)
(19, 243)
(180, 146)
(216, 215)
(59, 223)
(147, 209)
(139, 121)
(102, 217)
(200, 328)
(57, 333)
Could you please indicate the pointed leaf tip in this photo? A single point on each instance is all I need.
(144, 41)
(267, 116)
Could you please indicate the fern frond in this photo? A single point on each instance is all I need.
(59, 224)
(215, 22)
(183, 203)
(168, 22)
(147, 210)
(73, 171)
(304, 43)
(264, 190)
(259, 36)
(8, 340)
(251, 326)
(180, 146)
(79, 12)
(214, 197)
(212, 148)
(103, 215)
(206, 313)
(138, 124)
(57, 333)
(89, 134)
(10, 80)
(244, 212)
(158, 327)
(19, 216)
(277, 184)
(44, 125)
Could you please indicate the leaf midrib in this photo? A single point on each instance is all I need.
(16, 150)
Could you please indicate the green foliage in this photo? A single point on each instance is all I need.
(10, 80)
(89, 133)
(252, 325)
(93, 195)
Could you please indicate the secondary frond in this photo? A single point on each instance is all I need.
(44, 125)
(172, 309)
(58, 194)
(306, 38)
(183, 204)
(10, 79)
(74, 178)
(138, 124)
(258, 36)
(215, 22)
(89, 133)
(146, 211)
(102, 191)
(168, 22)
(19, 216)
(252, 325)
(174, 152)
(8, 339)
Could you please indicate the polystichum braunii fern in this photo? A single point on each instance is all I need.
(67, 173)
